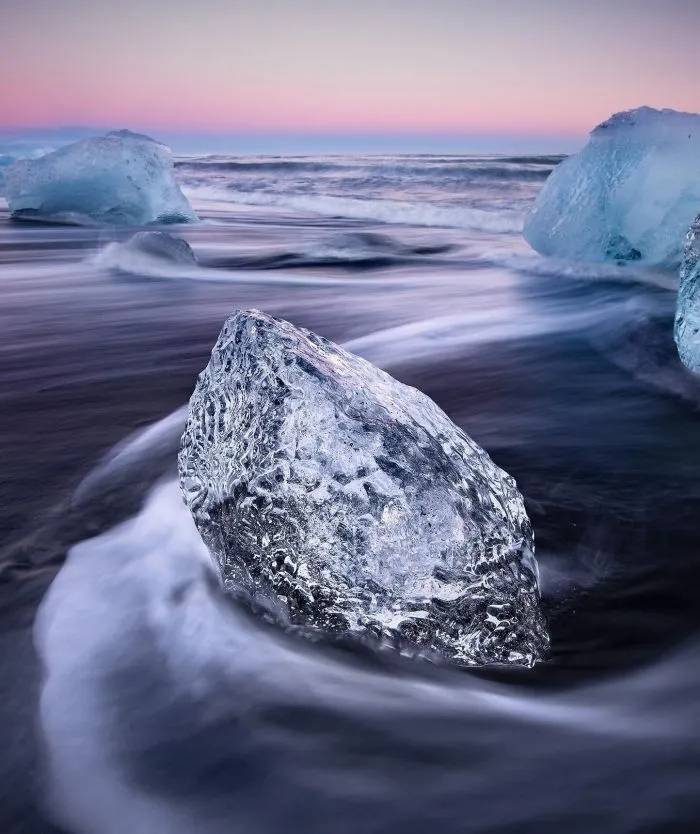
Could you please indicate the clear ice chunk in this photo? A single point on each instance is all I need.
(121, 178)
(162, 246)
(629, 195)
(687, 324)
(343, 501)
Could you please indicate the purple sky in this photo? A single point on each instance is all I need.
(515, 69)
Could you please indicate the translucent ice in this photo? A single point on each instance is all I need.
(122, 178)
(630, 194)
(148, 254)
(344, 501)
(163, 246)
(687, 327)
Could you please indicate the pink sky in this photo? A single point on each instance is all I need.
(549, 67)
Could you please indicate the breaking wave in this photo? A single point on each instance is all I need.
(383, 211)
(350, 250)
(469, 170)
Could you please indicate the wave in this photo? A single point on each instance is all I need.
(643, 346)
(122, 257)
(539, 265)
(493, 172)
(551, 160)
(461, 171)
(165, 708)
(506, 221)
(351, 250)
(123, 260)
(446, 335)
(259, 166)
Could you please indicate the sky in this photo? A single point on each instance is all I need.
(474, 74)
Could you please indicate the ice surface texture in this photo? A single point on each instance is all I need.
(344, 501)
(687, 327)
(630, 194)
(122, 178)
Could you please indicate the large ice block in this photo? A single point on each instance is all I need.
(629, 195)
(344, 501)
(121, 178)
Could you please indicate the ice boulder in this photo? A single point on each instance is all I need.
(121, 178)
(630, 194)
(687, 326)
(339, 500)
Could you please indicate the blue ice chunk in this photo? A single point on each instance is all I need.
(121, 178)
(629, 195)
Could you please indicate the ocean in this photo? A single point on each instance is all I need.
(136, 697)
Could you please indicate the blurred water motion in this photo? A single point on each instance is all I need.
(164, 708)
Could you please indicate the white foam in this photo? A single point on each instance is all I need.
(384, 211)
(87, 625)
(446, 335)
(583, 270)
(140, 605)
(121, 259)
